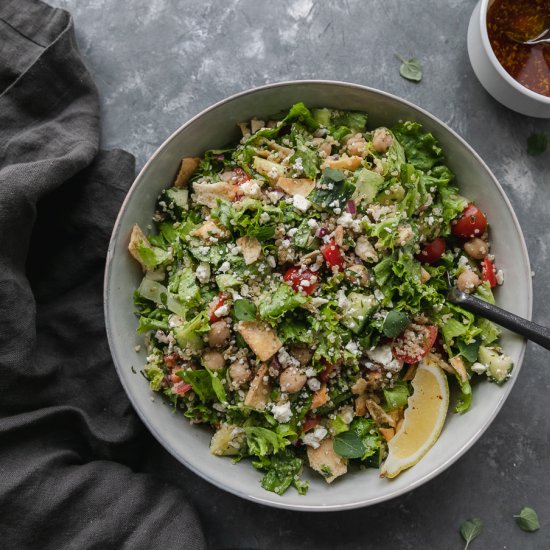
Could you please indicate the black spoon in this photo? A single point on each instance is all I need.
(536, 333)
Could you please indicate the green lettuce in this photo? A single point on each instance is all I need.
(367, 431)
(282, 300)
(307, 156)
(263, 441)
(206, 384)
(155, 376)
(421, 148)
(281, 471)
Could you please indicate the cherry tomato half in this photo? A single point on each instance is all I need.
(488, 272)
(414, 343)
(432, 251)
(213, 317)
(471, 223)
(333, 255)
(301, 279)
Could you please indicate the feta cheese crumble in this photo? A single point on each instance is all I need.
(301, 203)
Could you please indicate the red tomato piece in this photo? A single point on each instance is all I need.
(213, 317)
(181, 388)
(310, 423)
(301, 279)
(240, 176)
(171, 360)
(471, 223)
(325, 374)
(174, 378)
(333, 255)
(414, 343)
(432, 251)
(488, 272)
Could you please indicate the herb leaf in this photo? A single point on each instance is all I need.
(394, 323)
(244, 310)
(470, 529)
(349, 445)
(411, 69)
(527, 519)
(469, 351)
(537, 143)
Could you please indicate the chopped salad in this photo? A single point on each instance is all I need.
(295, 280)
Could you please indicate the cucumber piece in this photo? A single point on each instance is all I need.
(228, 440)
(154, 291)
(367, 184)
(178, 196)
(359, 308)
(498, 365)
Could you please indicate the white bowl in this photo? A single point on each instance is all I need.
(493, 76)
(215, 127)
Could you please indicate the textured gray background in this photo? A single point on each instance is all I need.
(158, 62)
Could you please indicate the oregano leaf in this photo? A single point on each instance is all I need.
(537, 143)
(470, 529)
(527, 519)
(349, 445)
(411, 69)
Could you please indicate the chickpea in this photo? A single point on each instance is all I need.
(365, 250)
(219, 334)
(468, 281)
(325, 149)
(302, 353)
(404, 234)
(381, 140)
(292, 380)
(213, 359)
(358, 274)
(476, 248)
(375, 380)
(424, 276)
(240, 373)
(357, 146)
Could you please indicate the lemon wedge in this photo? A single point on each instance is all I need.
(424, 418)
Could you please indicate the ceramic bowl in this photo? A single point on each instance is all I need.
(214, 128)
(492, 75)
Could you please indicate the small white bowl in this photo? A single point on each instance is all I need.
(214, 128)
(493, 76)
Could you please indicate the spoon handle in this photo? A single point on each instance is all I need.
(519, 325)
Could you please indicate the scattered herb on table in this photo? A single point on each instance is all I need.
(537, 143)
(470, 529)
(527, 519)
(411, 69)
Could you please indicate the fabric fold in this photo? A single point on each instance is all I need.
(70, 441)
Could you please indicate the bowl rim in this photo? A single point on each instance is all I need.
(137, 403)
(484, 7)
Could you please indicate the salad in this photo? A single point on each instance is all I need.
(295, 281)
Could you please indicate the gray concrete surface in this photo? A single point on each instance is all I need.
(158, 62)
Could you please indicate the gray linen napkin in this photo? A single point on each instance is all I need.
(69, 438)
